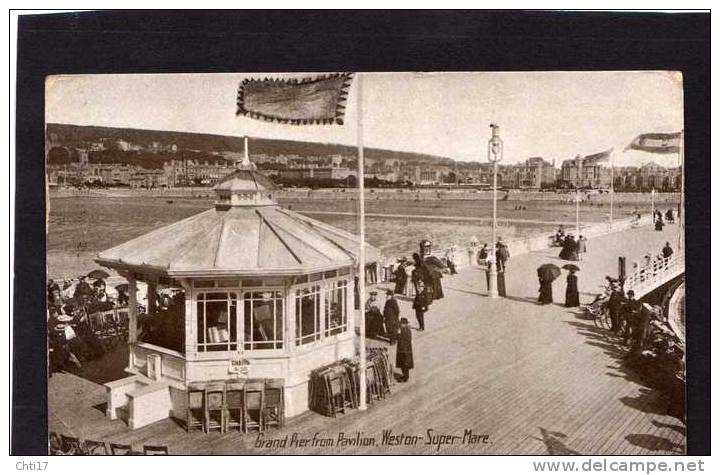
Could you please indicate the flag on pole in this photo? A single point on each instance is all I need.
(313, 100)
(656, 143)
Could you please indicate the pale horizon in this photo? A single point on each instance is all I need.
(555, 115)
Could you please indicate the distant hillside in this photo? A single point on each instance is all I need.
(75, 135)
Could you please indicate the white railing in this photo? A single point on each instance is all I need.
(648, 277)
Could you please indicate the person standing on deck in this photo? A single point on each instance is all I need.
(483, 254)
(400, 278)
(629, 315)
(373, 317)
(545, 291)
(450, 259)
(615, 304)
(420, 304)
(581, 247)
(667, 251)
(503, 255)
(391, 314)
(572, 296)
(404, 355)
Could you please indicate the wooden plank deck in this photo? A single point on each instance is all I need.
(535, 379)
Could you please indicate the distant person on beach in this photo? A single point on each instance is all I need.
(420, 305)
(404, 355)
(391, 315)
(659, 224)
(572, 296)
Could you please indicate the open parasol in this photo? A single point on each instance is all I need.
(571, 267)
(98, 274)
(548, 272)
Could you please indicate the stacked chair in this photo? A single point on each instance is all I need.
(334, 388)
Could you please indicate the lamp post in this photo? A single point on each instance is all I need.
(577, 213)
(495, 154)
(652, 205)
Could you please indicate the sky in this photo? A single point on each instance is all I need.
(555, 115)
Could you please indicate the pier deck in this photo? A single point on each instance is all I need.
(536, 379)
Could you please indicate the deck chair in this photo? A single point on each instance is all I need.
(195, 413)
(155, 450)
(274, 411)
(215, 407)
(94, 447)
(234, 405)
(123, 449)
(254, 398)
(54, 444)
(70, 445)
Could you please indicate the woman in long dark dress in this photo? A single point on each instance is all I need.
(565, 253)
(572, 296)
(545, 291)
(400, 279)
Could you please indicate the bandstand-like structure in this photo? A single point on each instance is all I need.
(244, 290)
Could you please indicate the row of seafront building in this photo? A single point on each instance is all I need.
(534, 173)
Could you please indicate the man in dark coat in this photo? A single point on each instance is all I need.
(629, 315)
(404, 355)
(615, 304)
(420, 304)
(391, 314)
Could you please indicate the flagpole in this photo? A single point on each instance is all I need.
(361, 281)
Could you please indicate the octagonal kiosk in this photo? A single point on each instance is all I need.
(246, 289)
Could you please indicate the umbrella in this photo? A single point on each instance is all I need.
(571, 267)
(98, 274)
(548, 272)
